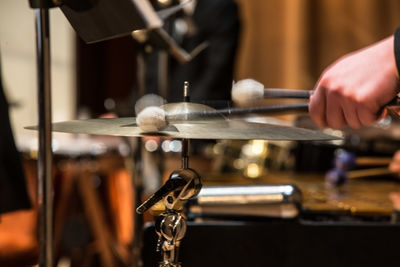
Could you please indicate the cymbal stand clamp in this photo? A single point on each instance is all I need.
(182, 185)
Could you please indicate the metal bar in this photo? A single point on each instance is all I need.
(186, 95)
(137, 170)
(185, 142)
(287, 93)
(45, 183)
(231, 112)
(137, 173)
(185, 153)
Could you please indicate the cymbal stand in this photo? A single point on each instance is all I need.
(45, 183)
(182, 185)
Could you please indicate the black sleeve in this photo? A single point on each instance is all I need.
(13, 191)
(397, 48)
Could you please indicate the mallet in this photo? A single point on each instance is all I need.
(152, 119)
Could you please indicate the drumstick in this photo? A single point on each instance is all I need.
(338, 177)
(152, 119)
(369, 173)
(249, 91)
(368, 161)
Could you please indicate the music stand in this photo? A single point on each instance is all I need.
(93, 20)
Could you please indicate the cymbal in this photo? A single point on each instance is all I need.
(193, 128)
(215, 129)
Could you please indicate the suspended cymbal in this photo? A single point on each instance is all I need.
(193, 129)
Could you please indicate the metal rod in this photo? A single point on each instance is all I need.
(45, 183)
(185, 142)
(287, 93)
(185, 153)
(267, 110)
(231, 112)
(137, 171)
(186, 96)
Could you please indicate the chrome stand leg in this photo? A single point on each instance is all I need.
(45, 183)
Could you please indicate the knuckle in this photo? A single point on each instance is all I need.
(368, 119)
(334, 123)
(335, 92)
(362, 101)
(365, 102)
(355, 125)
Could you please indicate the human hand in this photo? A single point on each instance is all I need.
(353, 90)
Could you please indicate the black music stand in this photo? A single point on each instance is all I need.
(93, 20)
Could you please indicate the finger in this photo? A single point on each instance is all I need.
(396, 156)
(334, 113)
(365, 115)
(350, 113)
(395, 167)
(395, 198)
(316, 107)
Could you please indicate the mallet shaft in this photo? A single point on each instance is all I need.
(266, 110)
(369, 173)
(286, 93)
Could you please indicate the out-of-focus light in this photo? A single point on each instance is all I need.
(166, 146)
(99, 149)
(175, 146)
(253, 171)
(109, 104)
(151, 145)
(165, 3)
(337, 133)
(254, 148)
(55, 145)
(238, 164)
(217, 149)
(385, 122)
(258, 147)
(124, 149)
(247, 150)
(140, 35)
(181, 26)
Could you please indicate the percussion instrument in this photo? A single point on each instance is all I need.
(194, 128)
(187, 122)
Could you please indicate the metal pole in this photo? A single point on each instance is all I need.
(45, 183)
(185, 142)
(137, 243)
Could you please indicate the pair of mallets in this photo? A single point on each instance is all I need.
(248, 91)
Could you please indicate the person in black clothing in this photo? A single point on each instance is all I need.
(13, 191)
(210, 74)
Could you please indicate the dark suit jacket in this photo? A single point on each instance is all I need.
(13, 192)
(210, 74)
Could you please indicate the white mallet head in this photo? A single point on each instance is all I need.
(152, 119)
(247, 91)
